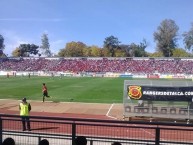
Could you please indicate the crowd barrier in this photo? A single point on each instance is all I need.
(63, 131)
(95, 74)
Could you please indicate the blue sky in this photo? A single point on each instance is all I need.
(89, 21)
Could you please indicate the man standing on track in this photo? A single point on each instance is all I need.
(45, 92)
(25, 108)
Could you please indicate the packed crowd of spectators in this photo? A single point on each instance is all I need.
(135, 66)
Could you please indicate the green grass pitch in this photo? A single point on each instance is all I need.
(66, 89)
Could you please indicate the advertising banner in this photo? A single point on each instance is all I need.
(153, 76)
(161, 93)
(125, 76)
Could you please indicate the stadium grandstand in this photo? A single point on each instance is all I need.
(115, 65)
(64, 130)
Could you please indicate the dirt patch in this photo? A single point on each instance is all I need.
(88, 109)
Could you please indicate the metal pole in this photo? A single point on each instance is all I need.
(39, 139)
(73, 133)
(1, 131)
(91, 142)
(188, 113)
(157, 136)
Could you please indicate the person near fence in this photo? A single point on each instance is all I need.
(8, 141)
(45, 91)
(44, 142)
(116, 143)
(25, 109)
(80, 140)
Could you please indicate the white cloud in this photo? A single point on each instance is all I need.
(56, 45)
(12, 40)
(32, 19)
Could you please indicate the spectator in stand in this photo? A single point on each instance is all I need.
(116, 143)
(80, 140)
(44, 142)
(8, 141)
(116, 65)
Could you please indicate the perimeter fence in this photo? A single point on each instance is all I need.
(63, 131)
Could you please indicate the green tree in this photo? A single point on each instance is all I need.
(34, 49)
(45, 46)
(111, 43)
(166, 37)
(72, 49)
(2, 46)
(62, 53)
(95, 51)
(86, 51)
(188, 39)
(134, 50)
(25, 50)
(105, 53)
(179, 52)
(156, 54)
(16, 52)
(126, 49)
(141, 48)
(120, 53)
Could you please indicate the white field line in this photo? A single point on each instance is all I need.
(107, 114)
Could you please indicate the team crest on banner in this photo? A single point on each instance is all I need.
(134, 92)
